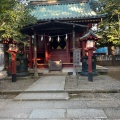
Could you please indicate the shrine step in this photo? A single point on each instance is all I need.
(42, 96)
(55, 73)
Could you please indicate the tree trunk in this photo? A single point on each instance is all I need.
(109, 49)
(6, 56)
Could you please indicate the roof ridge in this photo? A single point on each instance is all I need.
(55, 4)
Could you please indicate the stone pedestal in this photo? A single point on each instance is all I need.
(84, 71)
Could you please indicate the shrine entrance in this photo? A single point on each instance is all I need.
(55, 41)
(58, 42)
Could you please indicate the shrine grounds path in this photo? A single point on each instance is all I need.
(97, 100)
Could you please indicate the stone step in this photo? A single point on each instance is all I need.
(55, 73)
(42, 96)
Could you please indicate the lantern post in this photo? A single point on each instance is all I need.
(90, 48)
(13, 49)
(89, 38)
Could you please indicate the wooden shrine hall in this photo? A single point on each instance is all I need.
(57, 33)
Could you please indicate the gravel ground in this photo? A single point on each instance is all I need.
(100, 83)
(114, 74)
(20, 84)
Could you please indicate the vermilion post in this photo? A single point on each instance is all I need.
(13, 49)
(31, 56)
(90, 76)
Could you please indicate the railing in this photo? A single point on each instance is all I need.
(108, 60)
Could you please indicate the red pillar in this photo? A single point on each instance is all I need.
(13, 63)
(31, 54)
(90, 53)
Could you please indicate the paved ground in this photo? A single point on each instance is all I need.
(93, 106)
(88, 105)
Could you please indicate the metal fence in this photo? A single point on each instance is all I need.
(108, 60)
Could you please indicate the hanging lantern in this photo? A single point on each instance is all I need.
(32, 36)
(49, 38)
(42, 38)
(66, 37)
(58, 39)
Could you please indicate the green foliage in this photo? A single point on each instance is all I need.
(6, 5)
(13, 16)
(109, 28)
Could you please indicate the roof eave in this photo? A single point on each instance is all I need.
(90, 32)
(76, 18)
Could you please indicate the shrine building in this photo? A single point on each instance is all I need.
(57, 33)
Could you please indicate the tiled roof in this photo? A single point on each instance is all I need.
(63, 11)
(90, 32)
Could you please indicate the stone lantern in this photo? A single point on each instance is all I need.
(89, 38)
(13, 49)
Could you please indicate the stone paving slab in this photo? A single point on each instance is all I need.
(42, 96)
(6, 119)
(102, 104)
(48, 83)
(15, 113)
(71, 104)
(74, 110)
(48, 113)
(42, 119)
(86, 113)
(30, 104)
(113, 113)
(69, 113)
(89, 119)
(2, 104)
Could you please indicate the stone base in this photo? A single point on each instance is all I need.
(85, 73)
(14, 78)
(22, 74)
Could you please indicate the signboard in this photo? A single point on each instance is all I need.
(76, 57)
